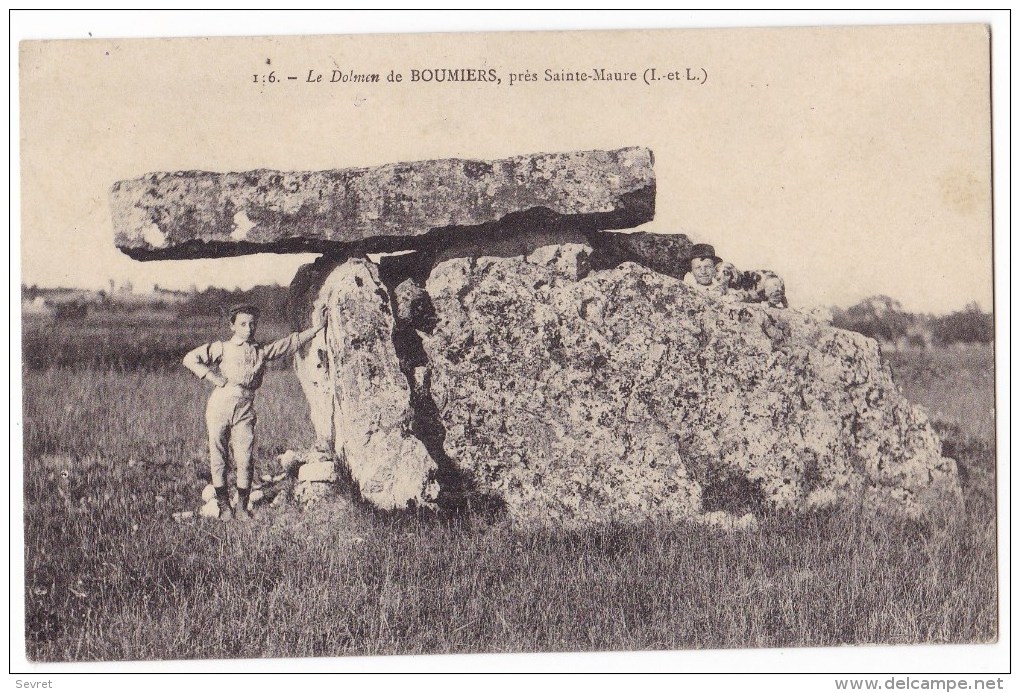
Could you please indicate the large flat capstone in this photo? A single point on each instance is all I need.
(402, 206)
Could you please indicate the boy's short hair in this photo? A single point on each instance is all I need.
(248, 308)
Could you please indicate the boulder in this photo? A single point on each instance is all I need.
(191, 214)
(288, 461)
(558, 393)
(627, 393)
(414, 307)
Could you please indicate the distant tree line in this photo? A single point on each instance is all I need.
(884, 319)
(271, 300)
(65, 304)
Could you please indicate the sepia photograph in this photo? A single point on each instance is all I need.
(361, 345)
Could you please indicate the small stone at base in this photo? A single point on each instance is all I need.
(317, 471)
(210, 509)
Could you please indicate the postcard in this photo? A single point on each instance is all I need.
(507, 342)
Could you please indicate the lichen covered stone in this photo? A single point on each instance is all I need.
(626, 393)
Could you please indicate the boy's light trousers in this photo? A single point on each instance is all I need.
(230, 416)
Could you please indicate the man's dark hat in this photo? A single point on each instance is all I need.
(705, 250)
(249, 308)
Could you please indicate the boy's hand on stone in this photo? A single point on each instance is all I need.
(319, 317)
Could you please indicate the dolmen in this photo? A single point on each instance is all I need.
(495, 341)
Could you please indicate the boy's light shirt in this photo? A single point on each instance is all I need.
(241, 362)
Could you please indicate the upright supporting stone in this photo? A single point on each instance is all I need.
(371, 403)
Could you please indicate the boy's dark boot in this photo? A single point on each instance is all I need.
(241, 511)
(223, 503)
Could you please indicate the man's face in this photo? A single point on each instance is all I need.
(244, 326)
(703, 269)
(775, 292)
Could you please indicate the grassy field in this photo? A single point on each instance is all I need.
(111, 451)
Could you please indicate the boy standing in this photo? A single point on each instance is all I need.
(236, 367)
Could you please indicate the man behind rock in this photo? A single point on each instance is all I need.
(703, 275)
(710, 274)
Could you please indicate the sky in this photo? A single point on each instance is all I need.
(853, 161)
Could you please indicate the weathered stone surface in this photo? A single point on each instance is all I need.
(627, 393)
(307, 492)
(317, 471)
(568, 394)
(189, 214)
(370, 399)
(288, 461)
(668, 254)
(572, 260)
(311, 362)
(312, 366)
(414, 307)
